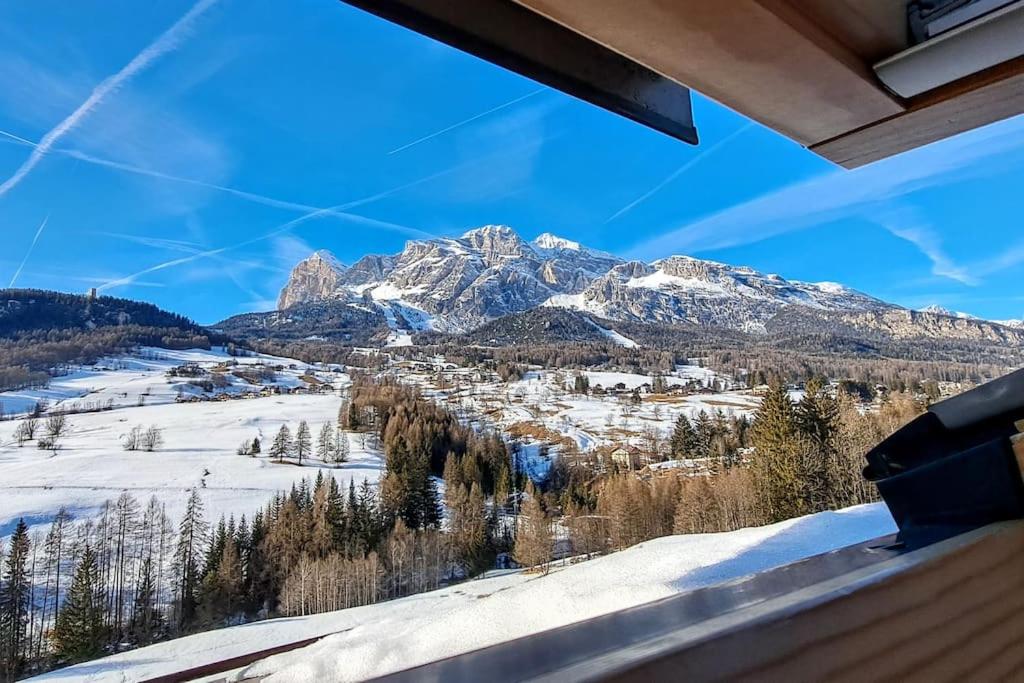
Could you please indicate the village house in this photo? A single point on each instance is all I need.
(629, 457)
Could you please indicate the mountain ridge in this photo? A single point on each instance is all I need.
(488, 278)
(456, 284)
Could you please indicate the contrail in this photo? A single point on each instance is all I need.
(466, 121)
(29, 252)
(17, 138)
(241, 194)
(338, 211)
(167, 42)
(679, 171)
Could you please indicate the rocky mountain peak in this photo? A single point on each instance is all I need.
(314, 278)
(497, 241)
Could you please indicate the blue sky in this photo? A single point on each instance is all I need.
(189, 153)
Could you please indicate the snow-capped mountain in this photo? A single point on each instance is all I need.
(454, 283)
(458, 284)
(681, 289)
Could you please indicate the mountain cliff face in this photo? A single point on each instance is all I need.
(314, 279)
(459, 284)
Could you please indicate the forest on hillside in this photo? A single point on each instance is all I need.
(41, 332)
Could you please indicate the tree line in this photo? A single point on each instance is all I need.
(805, 457)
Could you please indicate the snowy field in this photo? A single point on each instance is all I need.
(377, 639)
(122, 380)
(200, 440)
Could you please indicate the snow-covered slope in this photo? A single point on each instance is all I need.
(681, 289)
(200, 437)
(377, 639)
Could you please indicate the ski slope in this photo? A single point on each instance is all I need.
(373, 640)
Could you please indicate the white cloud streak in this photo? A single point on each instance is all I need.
(464, 122)
(907, 225)
(168, 41)
(703, 154)
(32, 247)
(1011, 257)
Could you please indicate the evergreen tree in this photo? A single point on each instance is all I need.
(282, 445)
(704, 434)
(146, 619)
(255, 449)
(192, 538)
(79, 633)
(303, 442)
(222, 586)
(778, 452)
(684, 439)
(14, 603)
(817, 417)
(352, 421)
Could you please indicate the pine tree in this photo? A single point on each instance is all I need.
(192, 537)
(14, 603)
(146, 620)
(282, 445)
(475, 548)
(325, 446)
(255, 449)
(704, 434)
(79, 633)
(817, 417)
(222, 586)
(684, 439)
(303, 442)
(778, 451)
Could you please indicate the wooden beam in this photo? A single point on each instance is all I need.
(987, 97)
(944, 613)
(767, 59)
(950, 611)
(530, 44)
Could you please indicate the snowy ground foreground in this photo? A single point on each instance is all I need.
(379, 639)
(92, 466)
